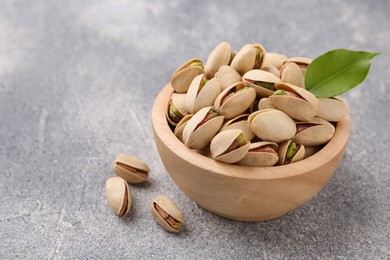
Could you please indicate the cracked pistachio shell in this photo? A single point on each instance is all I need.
(314, 132)
(180, 127)
(196, 137)
(272, 125)
(222, 141)
(167, 214)
(291, 73)
(283, 147)
(265, 79)
(302, 106)
(265, 103)
(227, 76)
(199, 95)
(221, 55)
(234, 100)
(247, 59)
(178, 100)
(332, 109)
(302, 63)
(261, 154)
(131, 169)
(272, 69)
(274, 59)
(118, 194)
(183, 76)
(240, 122)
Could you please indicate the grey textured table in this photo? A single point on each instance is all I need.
(77, 84)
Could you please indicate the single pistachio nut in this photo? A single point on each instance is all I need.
(118, 194)
(201, 128)
(239, 122)
(296, 102)
(261, 154)
(290, 152)
(262, 81)
(249, 57)
(314, 132)
(265, 103)
(302, 62)
(202, 93)
(227, 76)
(183, 76)
(180, 127)
(167, 214)
(229, 146)
(234, 100)
(291, 73)
(221, 55)
(272, 69)
(131, 169)
(332, 109)
(274, 59)
(176, 108)
(272, 125)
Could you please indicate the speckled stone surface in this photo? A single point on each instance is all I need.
(77, 84)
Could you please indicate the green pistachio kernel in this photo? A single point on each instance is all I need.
(267, 85)
(291, 150)
(175, 114)
(196, 64)
(280, 92)
(241, 139)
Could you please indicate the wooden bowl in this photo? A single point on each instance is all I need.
(240, 192)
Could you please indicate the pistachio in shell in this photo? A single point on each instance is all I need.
(176, 109)
(229, 146)
(274, 59)
(261, 154)
(272, 125)
(227, 76)
(262, 81)
(239, 122)
(302, 63)
(202, 93)
(290, 152)
(118, 194)
(180, 127)
(183, 76)
(296, 102)
(249, 57)
(234, 100)
(332, 109)
(167, 214)
(221, 55)
(314, 132)
(130, 168)
(201, 128)
(272, 69)
(291, 73)
(265, 103)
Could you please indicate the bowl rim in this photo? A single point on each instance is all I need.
(319, 159)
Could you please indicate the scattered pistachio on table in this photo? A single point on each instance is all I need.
(167, 214)
(119, 195)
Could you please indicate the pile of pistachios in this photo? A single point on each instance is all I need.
(250, 107)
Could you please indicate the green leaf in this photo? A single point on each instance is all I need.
(337, 71)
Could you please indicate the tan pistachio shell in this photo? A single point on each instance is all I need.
(260, 159)
(179, 101)
(222, 141)
(130, 168)
(198, 138)
(183, 76)
(197, 98)
(239, 122)
(236, 104)
(118, 194)
(291, 73)
(227, 76)
(180, 127)
(302, 62)
(283, 152)
(274, 59)
(170, 209)
(332, 109)
(272, 69)
(320, 133)
(260, 75)
(221, 55)
(265, 103)
(245, 59)
(303, 109)
(272, 125)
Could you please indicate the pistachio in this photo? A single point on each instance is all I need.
(261, 154)
(262, 81)
(202, 127)
(291, 73)
(227, 76)
(202, 93)
(183, 76)
(265, 103)
(118, 194)
(274, 59)
(180, 127)
(234, 100)
(229, 146)
(249, 57)
(302, 63)
(221, 55)
(131, 169)
(290, 152)
(272, 125)
(176, 109)
(272, 69)
(239, 122)
(314, 132)
(167, 214)
(332, 109)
